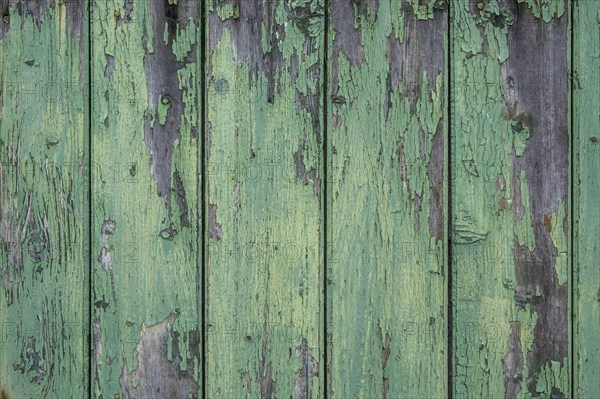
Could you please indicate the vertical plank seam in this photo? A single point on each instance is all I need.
(201, 265)
(572, 141)
(91, 366)
(449, 305)
(325, 194)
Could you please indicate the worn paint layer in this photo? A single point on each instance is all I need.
(386, 200)
(158, 373)
(43, 199)
(384, 264)
(264, 169)
(510, 227)
(586, 213)
(145, 122)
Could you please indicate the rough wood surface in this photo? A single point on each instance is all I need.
(146, 321)
(43, 200)
(586, 215)
(264, 264)
(265, 184)
(509, 173)
(386, 202)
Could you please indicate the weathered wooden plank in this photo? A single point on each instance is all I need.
(386, 220)
(43, 199)
(510, 211)
(146, 323)
(264, 199)
(586, 212)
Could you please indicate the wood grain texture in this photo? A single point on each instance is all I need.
(146, 322)
(264, 200)
(386, 200)
(43, 200)
(270, 183)
(586, 215)
(509, 173)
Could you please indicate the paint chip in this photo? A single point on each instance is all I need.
(215, 231)
(157, 376)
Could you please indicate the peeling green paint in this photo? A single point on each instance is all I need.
(264, 199)
(521, 136)
(163, 109)
(43, 201)
(508, 188)
(386, 218)
(228, 11)
(586, 214)
(268, 197)
(546, 9)
(554, 377)
(425, 10)
(145, 123)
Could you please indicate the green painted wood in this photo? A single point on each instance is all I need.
(264, 201)
(387, 218)
(510, 210)
(146, 321)
(586, 216)
(312, 274)
(43, 200)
